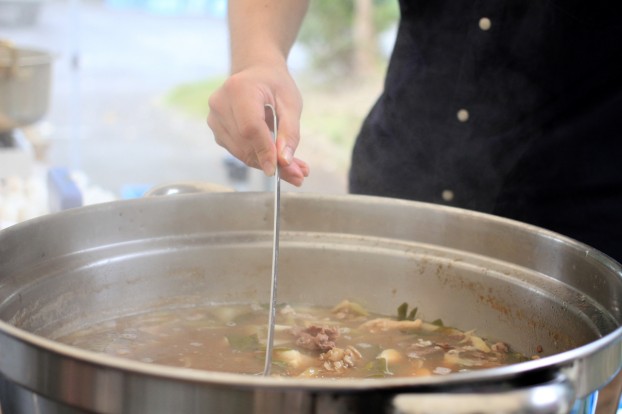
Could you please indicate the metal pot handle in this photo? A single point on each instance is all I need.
(554, 397)
(187, 187)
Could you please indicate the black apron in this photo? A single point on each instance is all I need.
(508, 107)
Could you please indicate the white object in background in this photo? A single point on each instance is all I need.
(16, 160)
(21, 200)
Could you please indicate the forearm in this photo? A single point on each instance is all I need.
(263, 31)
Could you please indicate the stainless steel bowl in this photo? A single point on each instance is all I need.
(25, 78)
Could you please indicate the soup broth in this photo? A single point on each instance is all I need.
(314, 342)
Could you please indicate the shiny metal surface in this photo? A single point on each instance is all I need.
(506, 279)
(187, 187)
(557, 396)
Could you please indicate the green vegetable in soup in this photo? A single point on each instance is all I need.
(404, 315)
(377, 368)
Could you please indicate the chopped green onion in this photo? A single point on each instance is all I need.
(244, 343)
(404, 315)
(401, 311)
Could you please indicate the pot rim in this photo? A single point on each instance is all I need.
(34, 57)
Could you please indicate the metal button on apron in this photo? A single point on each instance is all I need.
(463, 115)
(447, 195)
(484, 23)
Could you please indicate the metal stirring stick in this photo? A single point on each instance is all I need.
(271, 116)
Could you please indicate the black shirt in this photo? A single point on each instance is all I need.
(508, 107)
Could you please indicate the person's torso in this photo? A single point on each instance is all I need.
(474, 87)
(507, 107)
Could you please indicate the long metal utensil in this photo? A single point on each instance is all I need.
(271, 119)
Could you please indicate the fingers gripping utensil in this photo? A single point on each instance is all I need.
(272, 124)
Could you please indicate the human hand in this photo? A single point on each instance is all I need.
(237, 118)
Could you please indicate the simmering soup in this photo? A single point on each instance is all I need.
(313, 342)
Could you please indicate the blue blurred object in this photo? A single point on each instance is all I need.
(63, 193)
(131, 191)
(214, 8)
(236, 169)
(125, 4)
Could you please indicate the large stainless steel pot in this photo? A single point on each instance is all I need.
(24, 85)
(508, 280)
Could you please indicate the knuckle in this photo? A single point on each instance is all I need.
(249, 159)
(215, 100)
(263, 153)
(235, 80)
(249, 130)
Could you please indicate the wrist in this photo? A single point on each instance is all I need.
(268, 59)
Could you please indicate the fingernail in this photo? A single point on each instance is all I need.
(268, 168)
(288, 154)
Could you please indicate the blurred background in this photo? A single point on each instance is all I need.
(103, 99)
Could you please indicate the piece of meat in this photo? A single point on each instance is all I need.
(349, 310)
(500, 347)
(316, 338)
(338, 359)
(384, 324)
(445, 346)
(427, 352)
